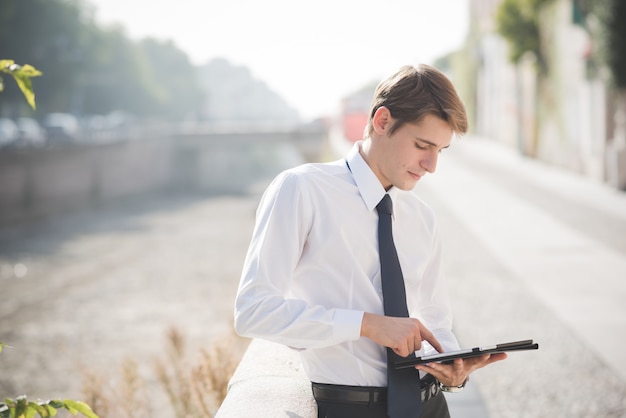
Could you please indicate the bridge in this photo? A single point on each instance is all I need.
(42, 181)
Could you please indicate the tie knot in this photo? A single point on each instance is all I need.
(385, 205)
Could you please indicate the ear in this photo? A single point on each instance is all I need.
(382, 120)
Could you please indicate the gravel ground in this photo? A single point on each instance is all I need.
(103, 286)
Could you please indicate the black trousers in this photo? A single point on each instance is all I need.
(435, 407)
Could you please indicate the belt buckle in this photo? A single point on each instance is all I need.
(429, 391)
(376, 397)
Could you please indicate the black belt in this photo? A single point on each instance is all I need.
(367, 395)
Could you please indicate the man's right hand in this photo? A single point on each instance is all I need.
(403, 335)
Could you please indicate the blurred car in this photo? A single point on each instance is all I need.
(122, 125)
(30, 132)
(8, 132)
(61, 127)
(94, 129)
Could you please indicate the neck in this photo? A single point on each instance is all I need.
(366, 151)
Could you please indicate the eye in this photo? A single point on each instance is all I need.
(418, 146)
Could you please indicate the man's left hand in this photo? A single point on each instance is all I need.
(456, 374)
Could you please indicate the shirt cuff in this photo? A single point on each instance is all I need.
(347, 324)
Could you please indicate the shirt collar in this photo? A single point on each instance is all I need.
(370, 188)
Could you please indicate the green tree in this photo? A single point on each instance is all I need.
(519, 22)
(47, 35)
(604, 19)
(182, 93)
(90, 69)
(115, 75)
(617, 42)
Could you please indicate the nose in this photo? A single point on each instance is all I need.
(429, 161)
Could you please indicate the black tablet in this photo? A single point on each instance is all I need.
(467, 353)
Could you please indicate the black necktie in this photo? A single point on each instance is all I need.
(403, 397)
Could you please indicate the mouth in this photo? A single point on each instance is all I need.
(415, 176)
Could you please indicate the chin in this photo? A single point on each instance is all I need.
(407, 186)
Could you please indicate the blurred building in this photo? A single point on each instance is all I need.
(566, 118)
(355, 113)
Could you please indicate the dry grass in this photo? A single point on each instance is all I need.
(194, 388)
(95, 394)
(210, 376)
(126, 396)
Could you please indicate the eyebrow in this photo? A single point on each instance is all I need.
(432, 144)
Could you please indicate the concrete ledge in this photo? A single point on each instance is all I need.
(269, 383)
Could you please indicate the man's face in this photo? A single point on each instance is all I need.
(410, 152)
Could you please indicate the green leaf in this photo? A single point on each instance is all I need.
(20, 406)
(4, 410)
(42, 411)
(23, 82)
(30, 410)
(50, 410)
(69, 407)
(78, 406)
(22, 75)
(5, 65)
(29, 71)
(55, 403)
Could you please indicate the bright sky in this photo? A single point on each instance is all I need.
(312, 53)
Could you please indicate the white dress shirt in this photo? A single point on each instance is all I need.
(312, 269)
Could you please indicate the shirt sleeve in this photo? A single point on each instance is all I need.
(263, 308)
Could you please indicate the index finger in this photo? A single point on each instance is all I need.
(429, 336)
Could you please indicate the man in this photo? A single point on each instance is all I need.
(312, 276)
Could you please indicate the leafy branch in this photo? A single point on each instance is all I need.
(22, 408)
(22, 75)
